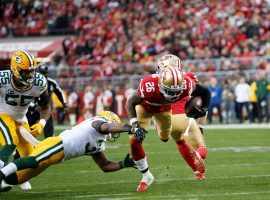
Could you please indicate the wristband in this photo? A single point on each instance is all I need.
(42, 122)
(134, 119)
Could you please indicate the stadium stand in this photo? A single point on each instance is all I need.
(106, 41)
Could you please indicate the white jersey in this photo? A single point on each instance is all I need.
(83, 139)
(15, 103)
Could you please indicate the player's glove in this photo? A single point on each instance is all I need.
(37, 128)
(139, 132)
(199, 112)
(127, 162)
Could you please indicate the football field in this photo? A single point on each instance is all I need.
(238, 167)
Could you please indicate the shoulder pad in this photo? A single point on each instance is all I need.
(40, 81)
(4, 77)
(192, 76)
(147, 86)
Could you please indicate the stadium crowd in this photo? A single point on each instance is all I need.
(111, 34)
(108, 38)
(234, 100)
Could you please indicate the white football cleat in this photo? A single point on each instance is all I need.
(147, 180)
(26, 186)
(4, 187)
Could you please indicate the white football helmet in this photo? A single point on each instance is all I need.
(170, 83)
(168, 60)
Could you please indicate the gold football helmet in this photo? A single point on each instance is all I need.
(170, 83)
(168, 60)
(110, 118)
(23, 65)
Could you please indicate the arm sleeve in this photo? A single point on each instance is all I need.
(43, 99)
(204, 93)
(106, 128)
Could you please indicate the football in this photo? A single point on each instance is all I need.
(191, 103)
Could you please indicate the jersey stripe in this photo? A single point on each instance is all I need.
(5, 131)
(174, 76)
(50, 152)
(179, 77)
(141, 89)
(191, 86)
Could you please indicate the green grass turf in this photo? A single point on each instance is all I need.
(238, 167)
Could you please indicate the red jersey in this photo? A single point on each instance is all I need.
(179, 106)
(154, 101)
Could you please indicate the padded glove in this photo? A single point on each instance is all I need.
(199, 112)
(37, 128)
(127, 162)
(139, 132)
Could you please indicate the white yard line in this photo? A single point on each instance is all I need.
(191, 178)
(178, 196)
(234, 149)
(157, 168)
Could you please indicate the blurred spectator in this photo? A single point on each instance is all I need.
(67, 44)
(73, 104)
(254, 100)
(262, 93)
(104, 99)
(216, 99)
(228, 99)
(88, 101)
(242, 91)
(128, 90)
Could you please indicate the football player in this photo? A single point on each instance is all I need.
(53, 87)
(87, 138)
(18, 87)
(153, 99)
(194, 149)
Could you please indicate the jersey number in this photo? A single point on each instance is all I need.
(184, 85)
(24, 100)
(94, 149)
(150, 86)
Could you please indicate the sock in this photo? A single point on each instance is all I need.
(147, 173)
(185, 152)
(26, 162)
(9, 169)
(137, 150)
(202, 151)
(12, 179)
(142, 165)
(6, 152)
(1, 164)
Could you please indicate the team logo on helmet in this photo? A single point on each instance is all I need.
(17, 59)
